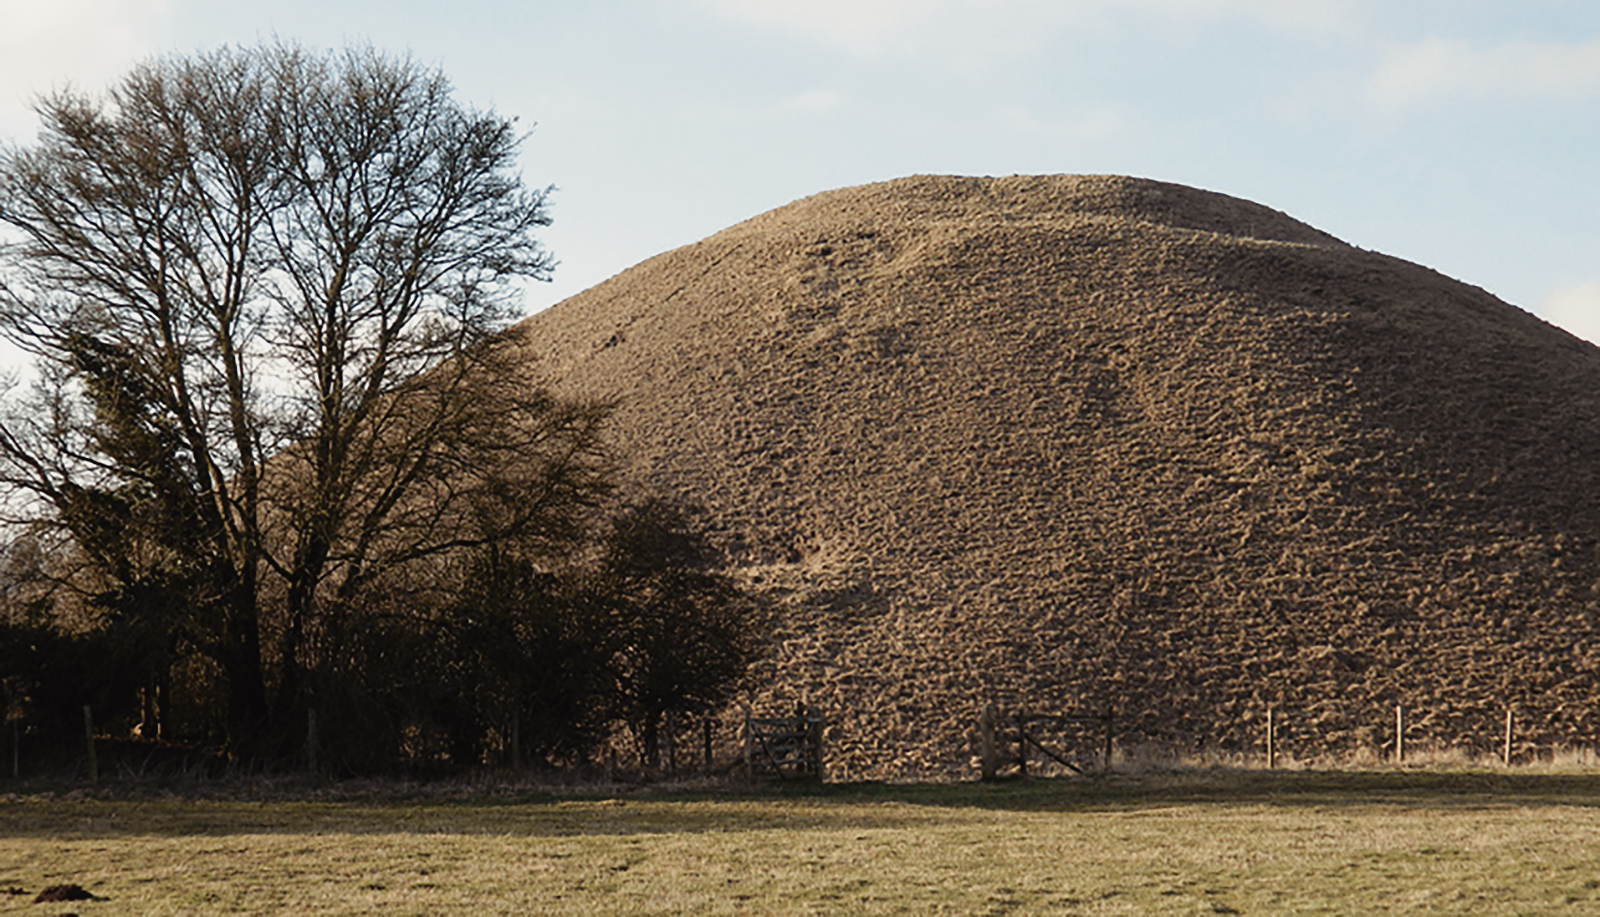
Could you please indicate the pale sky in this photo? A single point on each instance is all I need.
(1461, 134)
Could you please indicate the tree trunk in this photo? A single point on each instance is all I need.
(248, 712)
(649, 739)
(310, 558)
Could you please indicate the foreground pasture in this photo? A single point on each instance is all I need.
(1190, 842)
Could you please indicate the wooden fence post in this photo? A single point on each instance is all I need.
(1505, 753)
(1399, 734)
(1022, 743)
(1272, 748)
(986, 742)
(311, 740)
(749, 753)
(1110, 715)
(670, 739)
(88, 732)
(813, 731)
(708, 743)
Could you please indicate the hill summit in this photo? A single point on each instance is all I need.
(1070, 442)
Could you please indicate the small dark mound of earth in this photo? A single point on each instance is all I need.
(64, 893)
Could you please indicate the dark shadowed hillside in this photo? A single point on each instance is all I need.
(1074, 440)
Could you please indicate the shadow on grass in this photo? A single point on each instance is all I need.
(1319, 789)
(847, 806)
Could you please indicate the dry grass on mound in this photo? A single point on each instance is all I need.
(1066, 442)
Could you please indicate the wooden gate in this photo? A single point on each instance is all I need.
(785, 747)
(999, 733)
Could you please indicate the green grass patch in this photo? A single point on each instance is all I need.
(1185, 843)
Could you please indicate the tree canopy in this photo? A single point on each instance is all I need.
(263, 287)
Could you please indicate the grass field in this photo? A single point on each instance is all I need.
(1195, 842)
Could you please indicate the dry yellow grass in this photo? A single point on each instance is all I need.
(1193, 842)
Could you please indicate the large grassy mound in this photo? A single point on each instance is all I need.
(1067, 441)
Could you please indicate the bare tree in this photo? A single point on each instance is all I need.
(263, 286)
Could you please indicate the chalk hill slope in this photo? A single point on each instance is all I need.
(1070, 441)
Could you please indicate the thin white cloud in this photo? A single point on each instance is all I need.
(1019, 119)
(973, 28)
(1098, 122)
(1577, 309)
(1519, 69)
(865, 27)
(1297, 15)
(47, 45)
(814, 102)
